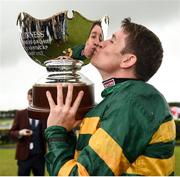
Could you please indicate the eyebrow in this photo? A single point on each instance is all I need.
(93, 32)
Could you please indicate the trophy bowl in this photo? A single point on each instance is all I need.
(58, 43)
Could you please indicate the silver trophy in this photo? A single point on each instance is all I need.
(59, 44)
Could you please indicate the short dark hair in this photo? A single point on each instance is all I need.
(98, 23)
(146, 46)
(29, 92)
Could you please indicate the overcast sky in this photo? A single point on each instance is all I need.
(18, 72)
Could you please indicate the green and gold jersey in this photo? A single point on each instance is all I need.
(131, 132)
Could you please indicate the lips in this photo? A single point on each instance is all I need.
(96, 50)
(92, 50)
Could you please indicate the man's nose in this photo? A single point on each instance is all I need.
(102, 44)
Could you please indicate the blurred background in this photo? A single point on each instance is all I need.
(18, 72)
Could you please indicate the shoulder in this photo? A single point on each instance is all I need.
(21, 112)
(135, 99)
(136, 90)
(148, 104)
(148, 96)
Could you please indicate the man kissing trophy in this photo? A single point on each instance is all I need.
(63, 45)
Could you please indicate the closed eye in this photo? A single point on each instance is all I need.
(93, 36)
(113, 38)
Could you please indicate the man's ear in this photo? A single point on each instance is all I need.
(128, 61)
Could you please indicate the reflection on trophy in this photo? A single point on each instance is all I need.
(59, 44)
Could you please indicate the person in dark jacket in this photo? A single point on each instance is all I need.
(30, 147)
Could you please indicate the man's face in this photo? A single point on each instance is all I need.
(29, 97)
(108, 55)
(95, 37)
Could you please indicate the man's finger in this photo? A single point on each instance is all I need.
(59, 95)
(50, 99)
(77, 101)
(69, 95)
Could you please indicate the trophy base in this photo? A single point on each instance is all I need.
(36, 113)
(40, 106)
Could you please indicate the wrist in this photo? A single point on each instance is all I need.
(54, 135)
(55, 131)
(56, 124)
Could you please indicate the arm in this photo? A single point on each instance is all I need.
(103, 155)
(60, 122)
(16, 132)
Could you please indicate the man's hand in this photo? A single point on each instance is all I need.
(25, 132)
(63, 114)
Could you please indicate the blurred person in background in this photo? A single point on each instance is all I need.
(30, 148)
